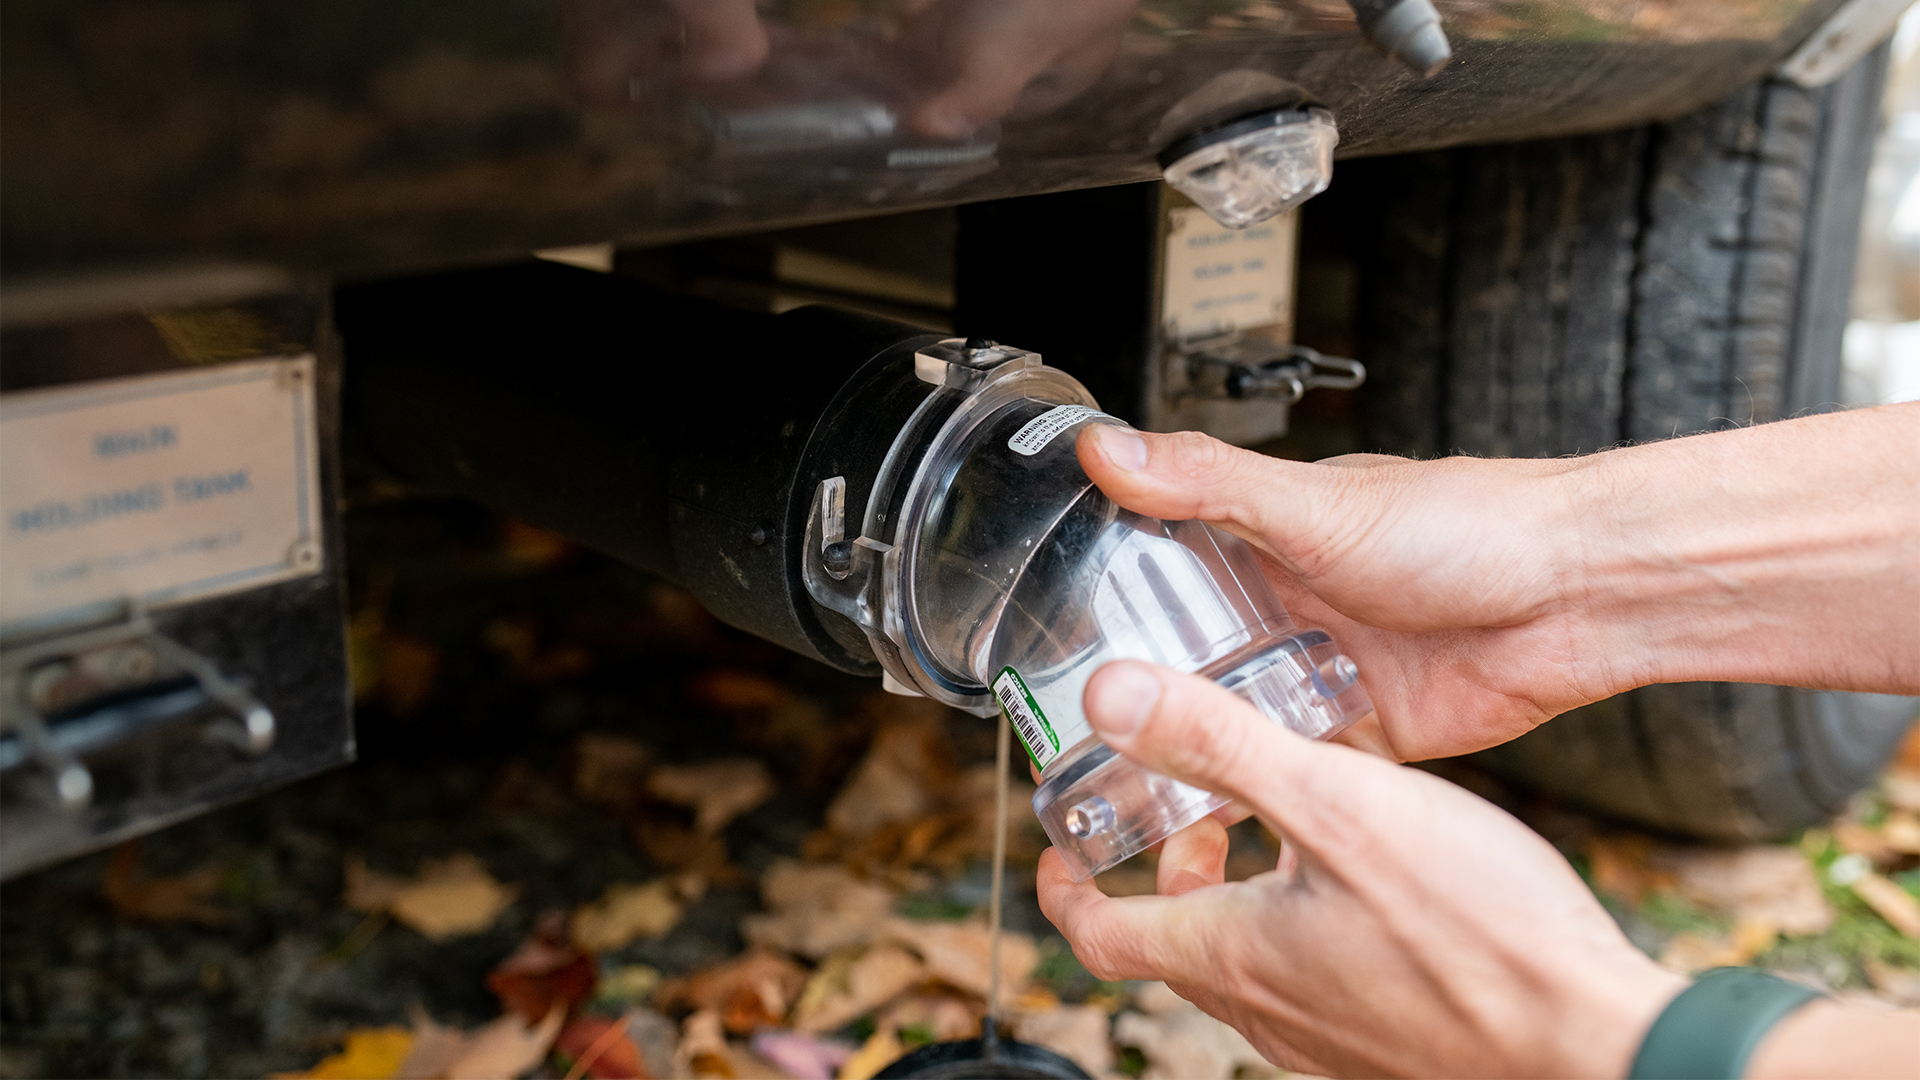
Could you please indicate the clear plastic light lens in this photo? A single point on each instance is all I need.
(1248, 178)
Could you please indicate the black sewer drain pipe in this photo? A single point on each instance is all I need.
(674, 433)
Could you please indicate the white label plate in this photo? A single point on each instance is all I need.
(161, 488)
(1220, 279)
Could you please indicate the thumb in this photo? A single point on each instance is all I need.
(1300, 514)
(1191, 729)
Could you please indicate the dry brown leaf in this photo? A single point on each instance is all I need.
(1857, 839)
(434, 1048)
(624, 914)
(408, 667)
(703, 1050)
(1080, 1033)
(599, 1048)
(940, 1015)
(815, 909)
(718, 791)
(1619, 867)
(1897, 984)
(505, 1048)
(1890, 902)
(750, 991)
(847, 987)
(450, 897)
(610, 771)
(1901, 832)
(1902, 788)
(1774, 886)
(881, 1049)
(732, 690)
(958, 953)
(1688, 953)
(906, 771)
(1181, 1042)
(139, 898)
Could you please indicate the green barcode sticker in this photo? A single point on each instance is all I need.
(1017, 704)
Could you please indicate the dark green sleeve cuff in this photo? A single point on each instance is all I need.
(1711, 1029)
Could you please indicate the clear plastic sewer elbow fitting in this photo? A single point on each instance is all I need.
(1005, 579)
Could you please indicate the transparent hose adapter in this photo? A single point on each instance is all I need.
(1011, 579)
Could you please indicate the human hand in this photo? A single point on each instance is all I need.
(998, 58)
(1410, 927)
(1481, 597)
(1445, 581)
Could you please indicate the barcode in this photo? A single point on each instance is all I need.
(1034, 732)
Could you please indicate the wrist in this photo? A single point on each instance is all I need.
(1782, 554)
(1601, 1018)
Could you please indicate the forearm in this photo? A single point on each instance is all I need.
(1787, 553)
(1829, 1039)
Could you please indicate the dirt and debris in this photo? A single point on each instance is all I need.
(593, 833)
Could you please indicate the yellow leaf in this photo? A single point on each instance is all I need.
(370, 1054)
(881, 1049)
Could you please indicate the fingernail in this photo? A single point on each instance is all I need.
(1122, 447)
(1120, 698)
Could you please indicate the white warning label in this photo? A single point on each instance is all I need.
(1036, 433)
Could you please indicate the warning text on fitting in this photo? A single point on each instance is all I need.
(1017, 704)
(1035, 434)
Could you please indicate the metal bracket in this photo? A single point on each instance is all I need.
(1847, 35)
(1241, 368)
(62, 697)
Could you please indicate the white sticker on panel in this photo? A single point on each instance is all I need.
(1220, 279)
(160, 488)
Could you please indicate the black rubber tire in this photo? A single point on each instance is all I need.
(1566, 296)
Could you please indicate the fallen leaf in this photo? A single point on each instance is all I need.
(1180, 1042)
(747, 992)
(801, 1056)
(1774, 886)
(626, 984)
(881, 1049)
(1857, 839)
(1890, 902)
(532, 546)
(939, 1017)
(732, 690)
(847, 986)
(626, 913)
(679, 847)
(1902, 788)
(958, 954)
(409, 668)
(906, 769)
(611, 771)
(369, 1054)
(1619, 866)
(598, 1046)
(434, 1048)
(1688, 953)
(1897, 984)
(136, 897)
(450, 897)
(1080, 1033)
(544, 973)
(1901, 832)
(814, 909)
(718, 791)
(505, 1048)
(703, 1050)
